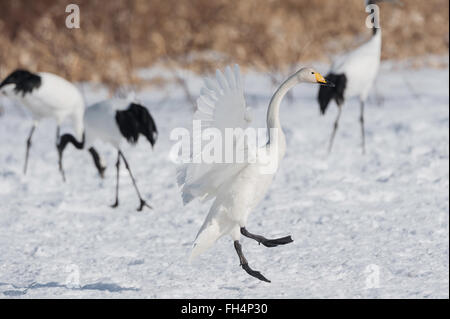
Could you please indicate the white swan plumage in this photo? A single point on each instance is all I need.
(235, 187)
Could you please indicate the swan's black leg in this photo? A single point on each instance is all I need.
(363, 132)
(116, 204)
(58, 141)
(143, 203)
(335, 128)
(28, 149)
(245, 266)
(267, 242)
(97, 162)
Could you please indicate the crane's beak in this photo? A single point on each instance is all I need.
(322, 81)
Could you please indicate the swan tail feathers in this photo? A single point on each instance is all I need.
(205, 239)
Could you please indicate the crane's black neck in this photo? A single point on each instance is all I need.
(375, 31)
(69, 138)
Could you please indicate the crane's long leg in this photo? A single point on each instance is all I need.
(27, 152)
(245, 266)
(363, 131)
(335, 128)
(116, 204)
(267, 242)
(143, 203)
(61, 169)
(98, 164)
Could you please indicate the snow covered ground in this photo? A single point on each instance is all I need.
(373, 226)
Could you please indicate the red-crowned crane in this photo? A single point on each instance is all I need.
(354, 75)
(115, 121)
(46, 95)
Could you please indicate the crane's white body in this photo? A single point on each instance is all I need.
(236, 187)
(360, 67)
(100, 122)
(56, 98)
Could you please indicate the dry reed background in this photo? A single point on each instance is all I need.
(117, 37)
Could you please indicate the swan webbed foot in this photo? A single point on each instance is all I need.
(115, 205)
(245, 265)
(254, 273)
(277, 242)
(267, 242)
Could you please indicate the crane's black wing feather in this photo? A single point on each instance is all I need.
(326, 93)
(137, 120)
(25, 81)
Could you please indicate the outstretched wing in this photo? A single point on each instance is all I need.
(221, 105)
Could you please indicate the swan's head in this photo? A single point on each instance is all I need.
(309, 75)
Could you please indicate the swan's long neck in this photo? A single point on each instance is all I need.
(273, 114)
